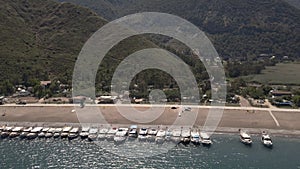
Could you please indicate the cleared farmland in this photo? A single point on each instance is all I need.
(282, 73)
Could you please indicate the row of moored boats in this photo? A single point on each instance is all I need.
(118, 135)
(121, 134)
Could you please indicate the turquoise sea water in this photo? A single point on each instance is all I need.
(226, 152)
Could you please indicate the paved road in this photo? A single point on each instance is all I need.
(155, 105)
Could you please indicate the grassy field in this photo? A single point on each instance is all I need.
(282, 73)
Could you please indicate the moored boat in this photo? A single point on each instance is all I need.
(102, 134)
(27, 129)
(41, 134)
(48, 135)
(73, 133)
(31, 135)
(205, 139)
(2, 128)
(34, 132)
(15, 132)
(169, 134)
(56, 135)
(120, 135)
(133, 134)
(92, 134)
(160, 136)
(176, 133)
(36, 129)
(6, 131)
(185, 136)
(17, 129)
(111, 133)
(4, 134)
(142, 134)
(195, 137)
(152, 134)
(266, 139)
(84, 132)
(65, 131)
(23, 134)
(45, 129)
(57, 132)
(245, 137)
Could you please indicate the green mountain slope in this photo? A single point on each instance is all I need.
(238, 28)
(40, 39)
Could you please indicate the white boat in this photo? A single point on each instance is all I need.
(73, 133)
(133, 132)
(57, 132)
(23, 134)
(176, 133)
(245, 137)
(56, 135)
(169, 134)
(85, 129)
(14, 134)
(160, 136)
(45, 129)
(205, 139)
(4, 134)
(102, 133)
(41, 134)
(111, 134)
(142, 134)
(48, 135)
(195, 137)
(185, 136)
(152, 134)
(51, 130)
(8, 128)
(27, 129)
(2, 128)
(31, 135)
(120, 135)
(92, 134)
(266, 139)
(65, 131)
(84, 132)
(34, 132)
(17, 129)
(37, 129)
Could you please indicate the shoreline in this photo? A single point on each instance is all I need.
(219, 130)
(277, 122)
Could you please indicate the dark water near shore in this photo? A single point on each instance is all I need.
(226, 152)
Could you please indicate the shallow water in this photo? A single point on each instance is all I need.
(226, 152)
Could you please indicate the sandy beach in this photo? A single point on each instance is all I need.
(284, 121)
